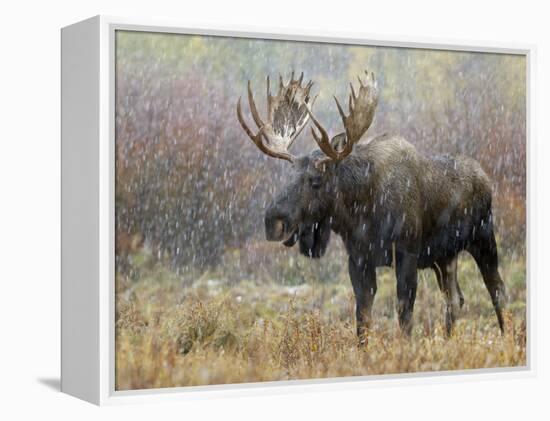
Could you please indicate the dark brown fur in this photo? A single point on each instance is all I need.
(391, 205)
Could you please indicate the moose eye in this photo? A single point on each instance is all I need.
(315, 182)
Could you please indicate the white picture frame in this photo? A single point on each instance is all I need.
(87, 343)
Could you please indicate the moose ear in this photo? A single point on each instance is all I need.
(338, 142)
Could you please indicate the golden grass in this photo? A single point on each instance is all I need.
(173, 332)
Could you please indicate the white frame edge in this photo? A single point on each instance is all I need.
(80, 119)
(98, 387)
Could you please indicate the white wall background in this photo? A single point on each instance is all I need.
(30, 196)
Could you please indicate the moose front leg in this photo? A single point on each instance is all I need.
(406, 274)
(363, 279)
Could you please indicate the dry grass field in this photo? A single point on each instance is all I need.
(236, 325)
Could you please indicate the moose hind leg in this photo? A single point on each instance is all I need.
(445, 271)
(363, 279)
(486, 256)
(407, 280)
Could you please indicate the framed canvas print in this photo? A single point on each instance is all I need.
(243, 210)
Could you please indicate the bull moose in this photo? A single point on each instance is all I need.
(391, 205)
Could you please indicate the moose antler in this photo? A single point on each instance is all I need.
(361, 113)
(287, 115)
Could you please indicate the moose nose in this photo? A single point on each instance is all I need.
(275, 230)
(276, 225)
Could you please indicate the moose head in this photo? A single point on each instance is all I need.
(303, 210)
